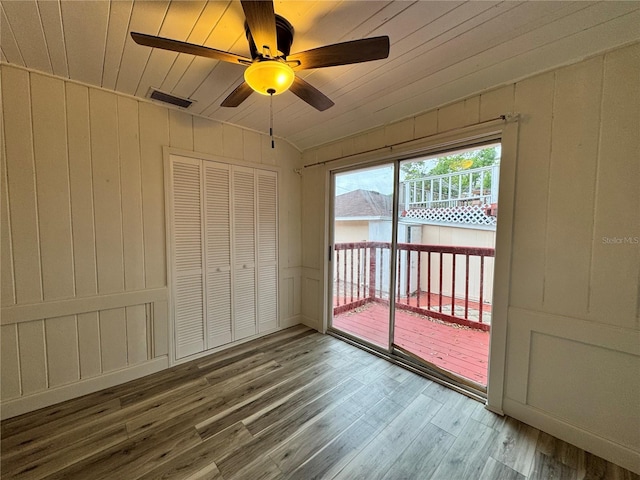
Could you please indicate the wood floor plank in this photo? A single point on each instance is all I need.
(409, 389)
(440, 393)
(454, 414)
(384, 385)
(370, 373)
(486, 417)
(334, 456)
(186, 378)
(84, 430)
(198, 462)
(382, 413)
(63, 412)
(288, 426)
(294, 452)
(295, 404)
(421, 458)
(264, 403)
(209, 473)
(596, 468)
(561, 451)
(240, 366)
(131, 458)
(321, 385)
(76, 406)
(516, 446)
(469, 453)
(363, 400)
(262, 468)
(546, 467)
(268, 343)
(214, 400)
(28, 436)
(494, 470)
(375, 460)
(35, 468)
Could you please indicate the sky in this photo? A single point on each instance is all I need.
(378, 179)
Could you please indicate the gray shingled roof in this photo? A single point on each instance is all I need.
(363, 203)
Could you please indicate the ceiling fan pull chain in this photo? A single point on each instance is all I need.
(271, 91)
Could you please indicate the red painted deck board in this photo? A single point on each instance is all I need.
(462, 351)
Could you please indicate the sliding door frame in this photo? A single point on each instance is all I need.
(330, 249)
(504, 130)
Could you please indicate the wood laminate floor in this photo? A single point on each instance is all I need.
(296, 405)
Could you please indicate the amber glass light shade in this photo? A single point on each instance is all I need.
(269, 75)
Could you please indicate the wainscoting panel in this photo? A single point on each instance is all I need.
(94, 336)
(564, 372)
(290, 295)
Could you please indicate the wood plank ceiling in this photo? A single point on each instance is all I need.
(440, 52)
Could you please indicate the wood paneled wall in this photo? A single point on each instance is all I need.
(83, 283)
(573, 346)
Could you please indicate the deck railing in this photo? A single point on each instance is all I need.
(446, 282)
(479, 185)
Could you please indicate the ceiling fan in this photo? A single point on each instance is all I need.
(271, 69)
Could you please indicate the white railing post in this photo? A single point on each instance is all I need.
(495, 180)
(407, 196)
(420, 192)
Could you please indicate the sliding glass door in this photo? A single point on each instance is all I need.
(412, 259)
(361, 253)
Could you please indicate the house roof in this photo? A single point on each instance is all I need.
(363, 203)
(440, 52)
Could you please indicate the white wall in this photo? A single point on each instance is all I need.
(83, 284)
(463, 237)
(573, 346)
(347, 231)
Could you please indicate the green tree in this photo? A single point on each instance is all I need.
(451, 163)
(455, 163)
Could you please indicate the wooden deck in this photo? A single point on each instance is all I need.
(460, 350)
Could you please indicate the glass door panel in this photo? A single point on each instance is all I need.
(444, 261)
(361, 253)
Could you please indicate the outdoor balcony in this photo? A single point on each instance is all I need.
(442, 301)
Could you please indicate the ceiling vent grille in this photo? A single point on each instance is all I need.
(168, 98)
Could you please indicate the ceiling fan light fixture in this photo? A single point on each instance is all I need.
(269, 76)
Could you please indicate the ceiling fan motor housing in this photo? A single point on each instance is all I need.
(284, 33)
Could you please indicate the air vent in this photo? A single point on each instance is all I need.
(171, 99)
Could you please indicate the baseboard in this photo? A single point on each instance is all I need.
(497, 411)
(20, 405)
(290, 322)
(310, 322)
(600, 446)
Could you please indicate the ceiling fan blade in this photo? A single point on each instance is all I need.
(310, 94)
(190, 48)
(239, 95)
(345, 53)
(262, 23)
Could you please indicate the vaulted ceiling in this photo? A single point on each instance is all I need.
(440, 52)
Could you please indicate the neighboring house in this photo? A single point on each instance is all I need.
(365, 215)
(362, 215)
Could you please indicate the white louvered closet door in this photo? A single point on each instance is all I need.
(244, 256)
(267, 223)
(187, 257)
(217, 253)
